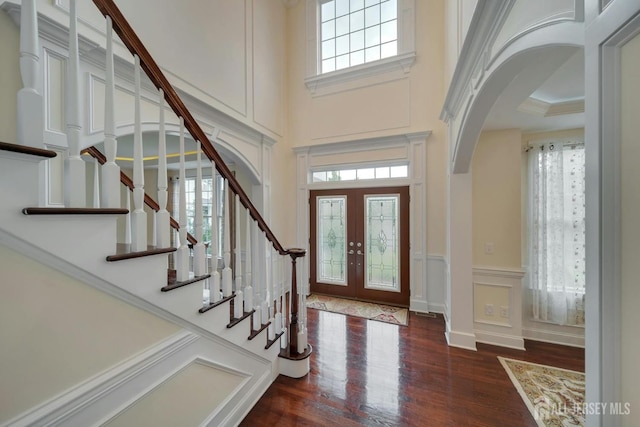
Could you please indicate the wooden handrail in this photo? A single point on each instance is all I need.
(135, 46)
(124, 179)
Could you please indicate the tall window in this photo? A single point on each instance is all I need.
(353, 32)
(557, 225)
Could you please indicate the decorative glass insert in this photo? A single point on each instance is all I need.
(382, 172)
(353, 32)
(331, 240)
(382, 240)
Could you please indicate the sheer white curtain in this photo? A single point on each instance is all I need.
(557, 227)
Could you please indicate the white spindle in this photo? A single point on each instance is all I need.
(127, 225)
(110, 170)
(278, 315)
(74, 172)
(214, 281)
(248, 289)
(227, 280)
(272, 283)
(199, 250)
(163, 227)
(96, 183)
(239, 299)
(182, 254)
(283, 301)
(30, 111)
(139, 216)
(264, 297)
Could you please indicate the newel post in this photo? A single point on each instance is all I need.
(294, 253)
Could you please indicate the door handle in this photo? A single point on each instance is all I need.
(359, 252)
(351, 252)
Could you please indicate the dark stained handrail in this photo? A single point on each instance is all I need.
(148, 64)
(148, 200)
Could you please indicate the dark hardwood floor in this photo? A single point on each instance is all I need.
(376, 374)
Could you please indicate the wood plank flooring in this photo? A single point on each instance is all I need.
(371, 373)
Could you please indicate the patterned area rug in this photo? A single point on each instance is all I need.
(554, 396)
(383, 313)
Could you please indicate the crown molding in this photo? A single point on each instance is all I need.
(540, 108)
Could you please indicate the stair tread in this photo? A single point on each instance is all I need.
(217, 303)
(74, 211)
(172, 283)
(25, 149)
(123, 251)
(273, 341)
(257, 332)
(235, 320)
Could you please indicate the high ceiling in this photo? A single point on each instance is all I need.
(556, 103)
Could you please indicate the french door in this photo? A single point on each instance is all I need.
(359, 243)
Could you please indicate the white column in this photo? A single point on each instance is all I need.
(182, 254)
(127, 224)
(96, 183)
(239, 300)
(459, 327)
(110, 170)
(227, 279)
(214, 282)
(75, 195)
(199, 250)
(30, 101)
(139, 216)
(163, 227)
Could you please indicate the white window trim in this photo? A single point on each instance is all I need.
(402, 61)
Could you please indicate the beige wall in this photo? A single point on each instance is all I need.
(496, 199)
(630, 229)
(10, 81)
(406, 103)
(57, 332)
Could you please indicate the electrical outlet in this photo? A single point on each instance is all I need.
(488, 309)
(504, 311)
(488, 248)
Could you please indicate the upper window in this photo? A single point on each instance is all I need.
(354, 32)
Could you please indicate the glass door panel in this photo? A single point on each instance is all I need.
(382, 255)
(332, 242)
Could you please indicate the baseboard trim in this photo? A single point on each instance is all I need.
(419, 306)
(461, 340)
(436, 308)
(560, 338)
(501, 340)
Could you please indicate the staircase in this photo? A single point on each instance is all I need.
(228, 332)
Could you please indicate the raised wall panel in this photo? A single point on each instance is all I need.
(269, 62)
(361, 111)
(54, 90)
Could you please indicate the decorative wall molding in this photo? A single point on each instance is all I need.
(512, 273)
(553, 337)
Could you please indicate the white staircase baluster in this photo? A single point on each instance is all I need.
(110, 194)
(96, 183)
(139, 216)
(127, 224)
(227, 280)
(75, 195)
(272, 321)
(278, 315)
(163, 227)
(283, 303)
(264, 306)
(239, 299)
(30, 101)
(182, 254)
(214, 281)
(248, 289)
(199, 250)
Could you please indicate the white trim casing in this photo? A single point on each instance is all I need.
(408, 148)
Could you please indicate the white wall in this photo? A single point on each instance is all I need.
(10, 81)
(629, 227)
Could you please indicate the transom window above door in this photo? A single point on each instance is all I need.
(354, 32)
(362, 173)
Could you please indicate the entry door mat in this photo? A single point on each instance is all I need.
(554, 396)
(367, 310)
